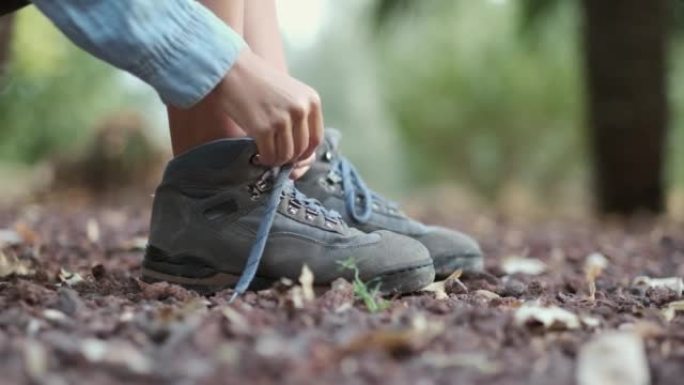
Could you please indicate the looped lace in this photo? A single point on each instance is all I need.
(355, 190)
(281, 181)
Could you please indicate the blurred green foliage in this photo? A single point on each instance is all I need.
(475, 97)
(676, 139)
(481, 102)
(53, 93)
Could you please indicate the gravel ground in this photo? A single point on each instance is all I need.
(561, 302)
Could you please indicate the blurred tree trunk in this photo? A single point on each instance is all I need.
(625, 49)
(6, 23)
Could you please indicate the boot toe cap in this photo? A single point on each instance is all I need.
(452, 250)
(401, 264)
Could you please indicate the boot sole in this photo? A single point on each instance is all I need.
(396, 282)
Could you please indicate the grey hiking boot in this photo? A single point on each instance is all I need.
(336, 184)
(210, 230)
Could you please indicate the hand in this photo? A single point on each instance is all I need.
(299, 168)
(282, 114)
(302, 166)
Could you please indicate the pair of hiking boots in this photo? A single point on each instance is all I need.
(219, 220)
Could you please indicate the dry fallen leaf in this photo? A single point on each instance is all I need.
(54, 315)
(35, 360)
(27, 234)
(394, 342)
(9, 237)
(668, 313)
(486, 294)
(644, 329)
(613, 358)
(590, 322)
(425, 327)
(93, 230)
(676, 306)
(237, 321)
(118, 354)
(478, 361)
(593, 267)
(10, 264)
(69, 278)
(421, 332)
(126, 316)
(550, 318)
(596, 262)
(439, 287)
(294, 296)
(670, 310)
(453, 283)
(290, 296)
(519, 265)
(306, 279)
(675, 284)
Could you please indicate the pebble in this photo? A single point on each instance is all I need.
(68, 301)
(536, 287)
(98, 271)
(513, 288)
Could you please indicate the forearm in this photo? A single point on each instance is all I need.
(177, 46)
(230, 11)
(262, 33)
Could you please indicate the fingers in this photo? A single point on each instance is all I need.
(299, 172)
(302, 166)
(292, 135)
(300, 133)
(315, 127)
(267, 149)
(284, 143)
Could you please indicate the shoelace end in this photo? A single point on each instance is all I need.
(233, 297)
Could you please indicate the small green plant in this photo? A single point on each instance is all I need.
(370, 295)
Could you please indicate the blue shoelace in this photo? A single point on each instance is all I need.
(282, 180)
(355, 190)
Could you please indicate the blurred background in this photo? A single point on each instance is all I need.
(513, 106)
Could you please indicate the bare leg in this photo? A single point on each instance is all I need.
(262, 33)
(257, 21)
(197, 125)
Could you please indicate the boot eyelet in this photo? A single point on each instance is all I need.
(310, 214)
(327, 184)
(254, 160)
(328, 156)
(292, 210)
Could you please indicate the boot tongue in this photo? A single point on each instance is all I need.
(330, 147)
(326, 154)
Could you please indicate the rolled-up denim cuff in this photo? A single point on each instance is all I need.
(179, 47)
(191, 62)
